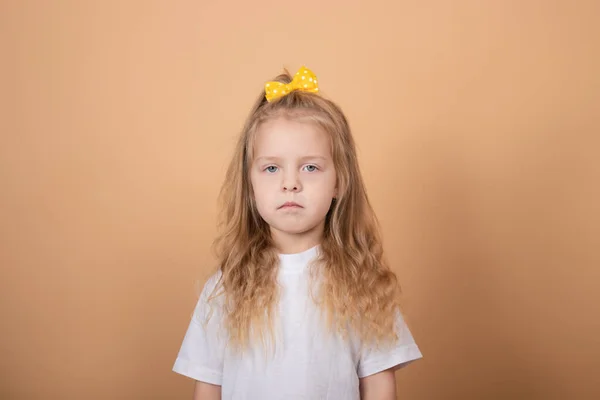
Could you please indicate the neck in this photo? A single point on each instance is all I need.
(292, 243)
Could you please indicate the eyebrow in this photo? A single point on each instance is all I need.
(275, 159)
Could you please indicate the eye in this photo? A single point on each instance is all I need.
(311, 168)
(271, 169)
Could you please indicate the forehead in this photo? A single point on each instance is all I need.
(281, 137)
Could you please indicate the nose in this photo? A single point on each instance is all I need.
(291, 183)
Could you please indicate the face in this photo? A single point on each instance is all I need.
(293, 177)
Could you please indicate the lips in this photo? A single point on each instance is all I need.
(290, 204)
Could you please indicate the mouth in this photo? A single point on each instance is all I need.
(290, 204)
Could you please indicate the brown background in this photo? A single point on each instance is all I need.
(477, 124)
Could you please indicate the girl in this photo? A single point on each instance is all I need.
(303, 305)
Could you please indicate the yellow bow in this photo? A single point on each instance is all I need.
(304, 80)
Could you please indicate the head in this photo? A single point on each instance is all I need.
(298, 149)
(295, 171)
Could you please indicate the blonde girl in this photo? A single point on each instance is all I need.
(303, 304)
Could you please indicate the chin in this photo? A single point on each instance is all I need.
(292, 229)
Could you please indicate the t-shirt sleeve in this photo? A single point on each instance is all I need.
(202, 351)
(404, 350)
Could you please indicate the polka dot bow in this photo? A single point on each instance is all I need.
(304, 80)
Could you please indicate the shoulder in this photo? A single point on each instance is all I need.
(209, 300)
(211, 284)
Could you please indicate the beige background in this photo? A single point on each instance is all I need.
(477, 124)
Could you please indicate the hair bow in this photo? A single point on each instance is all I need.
(304, 80)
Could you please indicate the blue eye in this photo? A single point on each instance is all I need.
(271, 169)
(311, 168)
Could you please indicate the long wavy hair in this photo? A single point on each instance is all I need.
(358, 292)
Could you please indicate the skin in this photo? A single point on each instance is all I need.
(293, 163)
(379, 386)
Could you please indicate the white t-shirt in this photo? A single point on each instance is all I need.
(309, 362)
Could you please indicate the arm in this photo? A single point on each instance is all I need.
(379, 386)
(206, 391)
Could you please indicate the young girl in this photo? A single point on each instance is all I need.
(303, 305)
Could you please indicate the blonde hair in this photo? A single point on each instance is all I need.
(358, 290)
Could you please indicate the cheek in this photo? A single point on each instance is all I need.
(260, 188)
(331, 184)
